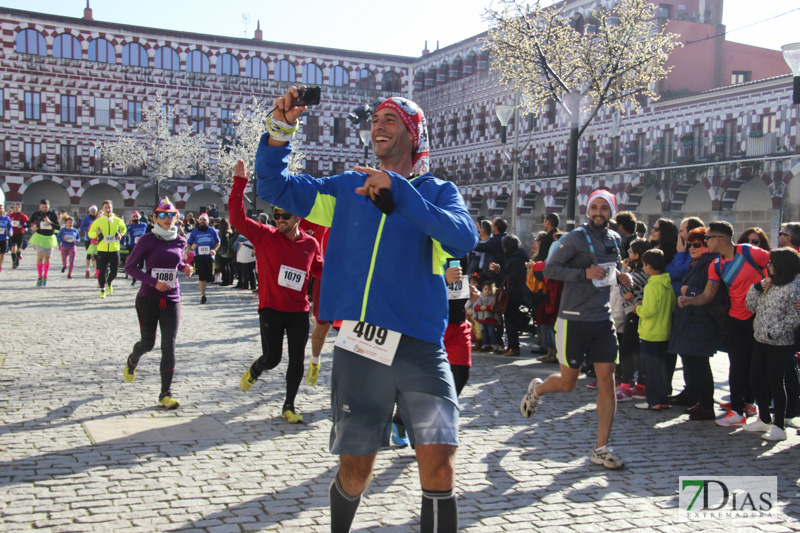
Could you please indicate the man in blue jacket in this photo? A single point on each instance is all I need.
(391, 232)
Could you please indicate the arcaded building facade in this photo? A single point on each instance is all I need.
(721, 143)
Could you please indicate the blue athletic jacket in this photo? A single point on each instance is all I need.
(384, 270)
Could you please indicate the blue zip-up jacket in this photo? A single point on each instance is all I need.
(86, 223)
(6, 229)
(677, 268)
(387, 270)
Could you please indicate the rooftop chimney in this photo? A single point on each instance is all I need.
(259, 34)
(87, 12)
(426, 51)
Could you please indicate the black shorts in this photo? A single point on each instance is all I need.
(3, 246)
(15, 240)
(595, 341)
(204, 267)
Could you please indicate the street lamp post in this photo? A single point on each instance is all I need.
(504, 114)
(791, 54)
(366, 139)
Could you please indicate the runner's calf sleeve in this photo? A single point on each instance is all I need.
(439, 512)
(343, 507)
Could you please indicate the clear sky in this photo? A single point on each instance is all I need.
(399, 28)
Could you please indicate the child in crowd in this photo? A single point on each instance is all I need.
(67, 238)
(486, 317)
(655, 324)
(773, 302)
(477, 338)
(629, 347)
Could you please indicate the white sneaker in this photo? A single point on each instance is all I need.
(605, 456)
(530, 401)
(793, 422)
(774, 434)
(757, 426)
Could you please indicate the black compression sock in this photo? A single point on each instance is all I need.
(343, 507)
(439, 512)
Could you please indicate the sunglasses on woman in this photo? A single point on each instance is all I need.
(163, 215)
(282, 216)
(696, 244)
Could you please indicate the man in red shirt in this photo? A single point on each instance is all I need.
(739, 266)
(19, 221)
(286, 257)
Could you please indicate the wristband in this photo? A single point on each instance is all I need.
(281, 131)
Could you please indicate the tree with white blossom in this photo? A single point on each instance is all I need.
(249, 125)
(620, 55)
(156, 148)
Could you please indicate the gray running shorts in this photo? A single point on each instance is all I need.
(364, 393)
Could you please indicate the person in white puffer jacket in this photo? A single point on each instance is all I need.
(773, 302)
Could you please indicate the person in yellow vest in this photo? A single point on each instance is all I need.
(108, 229)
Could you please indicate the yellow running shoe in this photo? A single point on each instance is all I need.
(129, 374)
(168, 402)
(109, 289)
(247, 380)
(102, 293)
(292, 416)
(312, 374)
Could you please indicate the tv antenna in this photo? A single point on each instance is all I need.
(245, 21)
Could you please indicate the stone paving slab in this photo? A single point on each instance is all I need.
(240, 467)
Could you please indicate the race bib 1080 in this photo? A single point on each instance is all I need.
(167, 275)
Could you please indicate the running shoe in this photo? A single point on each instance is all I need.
(750, 409)
(39, 282)
(605, 456)
(624, 395)
(44, 282)
(638, 392)
(109, 289)
(88, 275)
(247, 380)
(399, 437)
(654, 407)
(63, 269)
(757, 426)
(774, 434)
(530, 401)
(292, 416)
(168, 402)
(129, 373)
(133, 282)
(725, 406)
(102, 293)
(203, 300)
(732, 419)
(592, 385)
(312, 374)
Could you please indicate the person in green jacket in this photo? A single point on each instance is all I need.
(108, 229)
(655, 324)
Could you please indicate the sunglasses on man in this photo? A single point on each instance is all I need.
(282, 216)
(163, 215)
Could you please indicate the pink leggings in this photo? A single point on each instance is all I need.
(68, 252)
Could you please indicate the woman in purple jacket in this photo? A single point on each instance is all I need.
(158, 303)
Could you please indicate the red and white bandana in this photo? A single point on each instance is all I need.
(414, 120)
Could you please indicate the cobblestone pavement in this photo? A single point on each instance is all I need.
(243, 468)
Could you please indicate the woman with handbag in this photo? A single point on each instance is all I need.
(514, 275)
